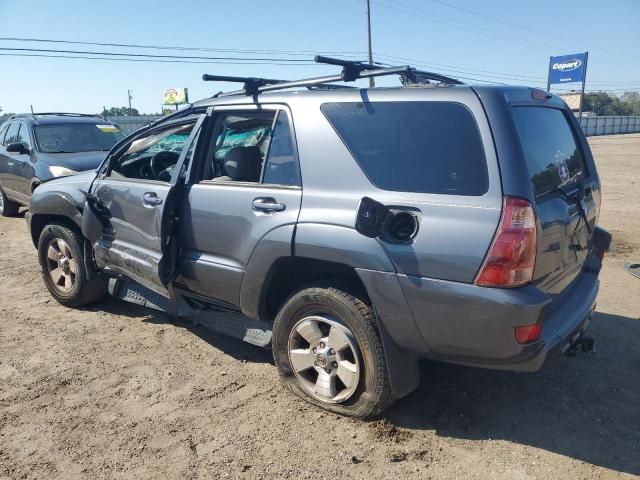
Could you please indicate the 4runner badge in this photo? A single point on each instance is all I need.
(563, 169)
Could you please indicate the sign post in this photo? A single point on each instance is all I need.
(569, 69)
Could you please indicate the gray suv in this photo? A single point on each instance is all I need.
(37, 147)
(353, 231)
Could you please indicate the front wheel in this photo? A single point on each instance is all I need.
(328, 350)
(61, 256)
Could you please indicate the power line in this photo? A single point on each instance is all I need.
(144, 55)
(413, 11)
(82, 54)
(210, 62)
(176, 47)
(459, 69)
(511, 24)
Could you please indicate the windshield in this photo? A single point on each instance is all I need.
(76, 137)
(550, 148)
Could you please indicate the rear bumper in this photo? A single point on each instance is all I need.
(470, 325)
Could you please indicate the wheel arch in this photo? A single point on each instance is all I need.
(295, 255)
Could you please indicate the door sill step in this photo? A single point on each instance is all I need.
(233, 324)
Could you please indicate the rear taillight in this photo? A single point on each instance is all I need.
(512, 255)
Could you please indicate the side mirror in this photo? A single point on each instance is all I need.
(17, 147)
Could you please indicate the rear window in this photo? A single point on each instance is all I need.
(552, 154)
(424, 147)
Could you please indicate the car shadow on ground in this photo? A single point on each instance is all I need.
(236, 348)
(586, 407)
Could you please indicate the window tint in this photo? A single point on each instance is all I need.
(550, 148)
(23, 136)
(281, 167)
(3, 131)
(153, 156)
(425, 147)
(12, 134)
(76, 137)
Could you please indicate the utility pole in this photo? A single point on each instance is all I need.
(368, 7)
(130, 97)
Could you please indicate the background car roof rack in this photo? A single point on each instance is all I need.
(351, 71)
(67, 114)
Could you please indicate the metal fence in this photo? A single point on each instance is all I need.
(133, 123)
(609, 125)
(590, 125)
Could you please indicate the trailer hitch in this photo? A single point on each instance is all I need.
(582, 345)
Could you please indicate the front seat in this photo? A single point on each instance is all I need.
(242, 164)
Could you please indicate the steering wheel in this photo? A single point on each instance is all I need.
(162, 164)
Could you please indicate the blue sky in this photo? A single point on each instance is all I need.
(489, 41)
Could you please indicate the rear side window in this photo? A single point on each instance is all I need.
(12, 134)
(424, 147)
(552, 154)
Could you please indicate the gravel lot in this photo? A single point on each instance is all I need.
(117, 391)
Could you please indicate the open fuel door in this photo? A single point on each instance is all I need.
(130, 215)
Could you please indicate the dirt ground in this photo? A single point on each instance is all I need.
(117, 391)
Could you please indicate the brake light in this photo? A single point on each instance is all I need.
(540, 95)
(512, 254)
(528, 333)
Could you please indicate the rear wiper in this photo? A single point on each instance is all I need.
(576, 199)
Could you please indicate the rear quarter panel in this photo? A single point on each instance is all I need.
(455, 230)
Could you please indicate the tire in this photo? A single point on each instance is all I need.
(8, 208)
(349, 318)
(61, 257)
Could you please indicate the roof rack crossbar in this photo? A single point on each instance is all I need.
(351, 70)
(334, 78)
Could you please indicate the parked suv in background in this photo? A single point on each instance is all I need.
(354, 231)
(35, 148)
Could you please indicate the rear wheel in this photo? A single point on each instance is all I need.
(61, 255)
(328, 350)
(8, 208)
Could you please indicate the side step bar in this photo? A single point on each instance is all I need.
(233, 324)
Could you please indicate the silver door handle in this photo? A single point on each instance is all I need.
(10, 163)
(151, 199)
(268, 204)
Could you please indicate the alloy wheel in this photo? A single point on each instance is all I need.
(324, 358)
(61, 265)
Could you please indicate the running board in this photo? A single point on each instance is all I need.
(233, 324)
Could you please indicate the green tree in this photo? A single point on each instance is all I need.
(633, 100)
(120, 112)
(602, 103)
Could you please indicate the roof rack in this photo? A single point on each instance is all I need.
(65, 114)
(351, 70)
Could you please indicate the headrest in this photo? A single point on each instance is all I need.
(243, 164)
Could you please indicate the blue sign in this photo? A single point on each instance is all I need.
(568, 68)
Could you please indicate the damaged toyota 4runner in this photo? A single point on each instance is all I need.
(353, 231)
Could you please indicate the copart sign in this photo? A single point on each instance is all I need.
(567, 68)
